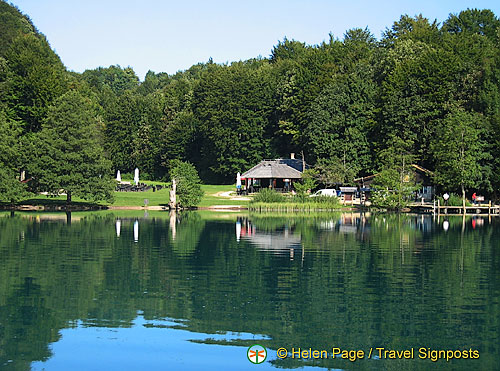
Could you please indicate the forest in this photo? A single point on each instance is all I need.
(426, 93)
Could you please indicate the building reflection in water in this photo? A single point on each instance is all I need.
(287, 234)
(282, 239)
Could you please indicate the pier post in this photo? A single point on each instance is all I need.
(439, 208)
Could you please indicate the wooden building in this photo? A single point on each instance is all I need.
(348, 194)
(278, 174)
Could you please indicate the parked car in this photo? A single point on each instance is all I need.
(325, 192)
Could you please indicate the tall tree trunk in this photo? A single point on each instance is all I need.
(68, 197)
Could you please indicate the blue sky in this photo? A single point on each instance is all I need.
(167, 36)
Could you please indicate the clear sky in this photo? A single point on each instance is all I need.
(168, 36)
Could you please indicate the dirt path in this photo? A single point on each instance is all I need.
(227, 194)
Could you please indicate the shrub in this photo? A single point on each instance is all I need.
(268, 195)
(454, 200)
(327, 200)
(189, 192)
(387, 200)
(307, 182)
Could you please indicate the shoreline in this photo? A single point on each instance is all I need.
(214, 208)
(111, 207)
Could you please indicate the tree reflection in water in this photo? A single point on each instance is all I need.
(352, 280)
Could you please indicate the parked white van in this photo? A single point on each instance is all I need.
(325, 192)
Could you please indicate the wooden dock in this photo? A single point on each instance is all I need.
(438, 209)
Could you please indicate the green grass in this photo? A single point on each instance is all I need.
(158, 198)
(210, 198)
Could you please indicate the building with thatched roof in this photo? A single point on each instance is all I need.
(278, 174)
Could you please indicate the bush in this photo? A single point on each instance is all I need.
(454, 200)
(300, 197)
(189, 192)
(307, 182)
(268, 195)
(327, 200)
(388, 200)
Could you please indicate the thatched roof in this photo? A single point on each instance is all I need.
(275, 169)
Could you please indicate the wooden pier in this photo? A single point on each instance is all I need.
(437, 208)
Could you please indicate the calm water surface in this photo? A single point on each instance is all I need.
(108, 291)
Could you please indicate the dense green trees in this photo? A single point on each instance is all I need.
(67, 154)
(341, 103)
(461, 154)
(340, 121)
(233, 106)
(395, 182)
(35, 77)
(11, 189)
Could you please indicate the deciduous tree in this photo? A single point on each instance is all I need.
(67, 155)
(460, 151)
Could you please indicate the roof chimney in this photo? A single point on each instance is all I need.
(292, 156)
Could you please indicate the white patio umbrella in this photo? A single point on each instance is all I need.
(118, 176)
(238, 180)
(136, 176)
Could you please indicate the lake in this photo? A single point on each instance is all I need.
(197, 290)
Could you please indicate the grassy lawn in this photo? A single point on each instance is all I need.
(210, 198)
(158, 198)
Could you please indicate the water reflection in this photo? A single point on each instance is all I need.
(446, 225)
(136, 231)
(282, 238)
(118, 226)
(352, 280)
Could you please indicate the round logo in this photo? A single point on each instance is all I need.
(257, 354)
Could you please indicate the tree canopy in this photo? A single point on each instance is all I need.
(341, 102)
(67, 154)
